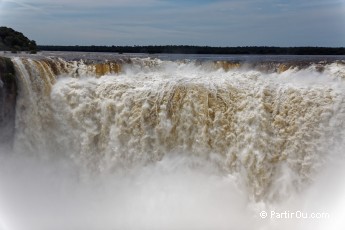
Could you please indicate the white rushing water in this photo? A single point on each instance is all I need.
(151, 144)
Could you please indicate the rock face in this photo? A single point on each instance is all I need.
(8, 94)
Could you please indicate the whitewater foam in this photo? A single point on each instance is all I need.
(154, 144)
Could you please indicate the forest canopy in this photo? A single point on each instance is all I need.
(182, 49)
(11, 40)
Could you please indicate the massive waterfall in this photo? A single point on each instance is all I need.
(144, 143)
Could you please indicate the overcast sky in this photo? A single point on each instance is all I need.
(176, 22)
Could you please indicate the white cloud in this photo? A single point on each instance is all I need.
(220, 22)
(88, 3)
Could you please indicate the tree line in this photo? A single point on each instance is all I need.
(11, 40)
(184, 49)
(14, 41)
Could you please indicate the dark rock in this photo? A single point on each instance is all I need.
(8, 95)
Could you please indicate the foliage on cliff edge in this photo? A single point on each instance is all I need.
(12, 40)
(7, 71)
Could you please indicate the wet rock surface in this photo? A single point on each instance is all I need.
(8, 93)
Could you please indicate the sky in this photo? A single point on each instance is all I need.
(178, 22)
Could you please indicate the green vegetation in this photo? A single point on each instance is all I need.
(11, 40)
(202, 50)
(7, 71)
(8, 95)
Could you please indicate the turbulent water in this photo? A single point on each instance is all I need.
(145, 143)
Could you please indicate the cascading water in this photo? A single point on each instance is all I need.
(151, 144)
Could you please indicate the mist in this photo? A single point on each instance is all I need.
(153, 144)
(178, 192)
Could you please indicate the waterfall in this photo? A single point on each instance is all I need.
(265, 133)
